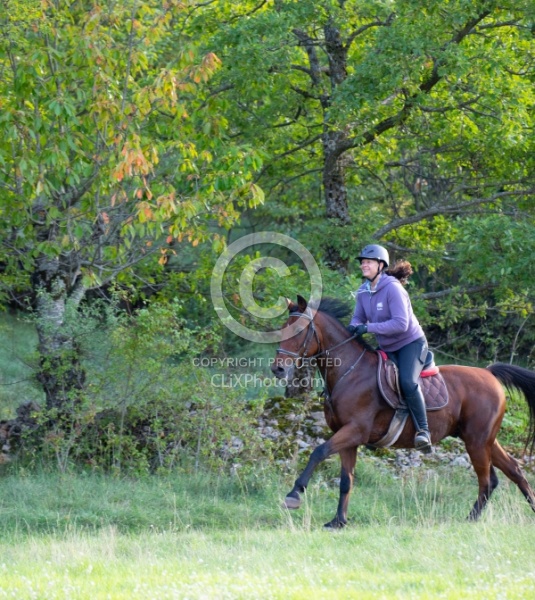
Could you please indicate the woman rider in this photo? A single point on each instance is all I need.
(383, 307)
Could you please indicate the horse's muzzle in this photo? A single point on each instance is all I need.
(282, 370)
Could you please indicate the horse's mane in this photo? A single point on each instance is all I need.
(338, 309)
(335, 308)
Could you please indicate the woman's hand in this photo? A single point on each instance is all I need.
(357, 330)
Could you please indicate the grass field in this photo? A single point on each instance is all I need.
(85, 535)
(93, 536)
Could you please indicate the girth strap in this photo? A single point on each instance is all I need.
(394, 430)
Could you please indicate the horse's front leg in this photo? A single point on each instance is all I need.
(343, 439)
(348, 458)
(319, 454)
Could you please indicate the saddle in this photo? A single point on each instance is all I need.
(431, 382)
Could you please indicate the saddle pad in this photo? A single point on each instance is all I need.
(433, 387)
(430, 368)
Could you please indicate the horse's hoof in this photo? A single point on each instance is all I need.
(334, 525)
(291, 503)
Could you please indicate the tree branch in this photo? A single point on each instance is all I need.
(315, 67)
(425, 87)
(71, 195)
(364, 28)
(304, 144)
(512, 23)
(446, 109)
(305, 93)
(456, 290)
(450, 209)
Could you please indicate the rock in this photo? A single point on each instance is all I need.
(237, 444)
(407, 459)
(461, 461)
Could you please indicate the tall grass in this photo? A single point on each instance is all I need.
(46, 502)
(88, 535)
(91, 536)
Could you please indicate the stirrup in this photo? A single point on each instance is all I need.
(422, 441)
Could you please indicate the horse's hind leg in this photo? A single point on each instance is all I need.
(509, 466)
(348, 458)
(486, 477)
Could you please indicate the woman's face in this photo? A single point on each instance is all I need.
(369, 267)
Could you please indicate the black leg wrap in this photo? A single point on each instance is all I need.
(345, 484)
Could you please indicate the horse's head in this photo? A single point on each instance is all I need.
(303, 344)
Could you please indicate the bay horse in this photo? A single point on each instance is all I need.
(358, 415)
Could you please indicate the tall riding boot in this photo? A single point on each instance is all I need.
(416, 404)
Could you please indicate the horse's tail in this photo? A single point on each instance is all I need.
(523, 380)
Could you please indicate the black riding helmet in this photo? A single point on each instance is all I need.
(375, 252)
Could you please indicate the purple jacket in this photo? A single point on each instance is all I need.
(388, 313)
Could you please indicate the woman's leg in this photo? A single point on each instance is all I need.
(410, 360)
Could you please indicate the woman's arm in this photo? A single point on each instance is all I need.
(399, 313)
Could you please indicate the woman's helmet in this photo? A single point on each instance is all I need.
(375, 252)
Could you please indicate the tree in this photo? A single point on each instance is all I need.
(105, 159)
(406, 123)
(360, 98)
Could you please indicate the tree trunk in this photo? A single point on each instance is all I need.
(334, 186)
(335, 191)
(60, 371)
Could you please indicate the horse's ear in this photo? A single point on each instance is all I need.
(290, 304)
(302, 303)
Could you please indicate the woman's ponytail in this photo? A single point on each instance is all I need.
(401, 270)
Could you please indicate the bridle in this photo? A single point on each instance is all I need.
(302, 353)
(304, 349)
(304, 346)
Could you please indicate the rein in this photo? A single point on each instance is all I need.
(311, 331)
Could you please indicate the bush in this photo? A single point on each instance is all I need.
(145, 406)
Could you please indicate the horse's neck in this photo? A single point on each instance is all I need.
(342, 356)
(334, 342)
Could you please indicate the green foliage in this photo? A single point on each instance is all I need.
(104, 157)
(17, 364)
(515, 423)
(146, 405)
(509, 244)
(143, 131)
(108, 157)
(431, 106)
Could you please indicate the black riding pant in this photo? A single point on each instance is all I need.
(410, 361)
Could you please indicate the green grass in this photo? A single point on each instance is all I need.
(94, 536)
(369, 562)
(88, 535)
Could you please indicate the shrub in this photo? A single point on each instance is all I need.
(145, 406)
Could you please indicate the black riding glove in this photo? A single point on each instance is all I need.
(357, 330)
